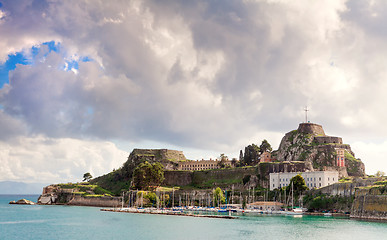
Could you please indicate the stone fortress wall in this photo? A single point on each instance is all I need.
(319, 134)
(168, 158)
(172, 155)
(328, 139)
(311, 128)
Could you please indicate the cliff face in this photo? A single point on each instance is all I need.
(310, 144)
(370, 203)
(56, 195)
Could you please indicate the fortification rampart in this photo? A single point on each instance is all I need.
(370, 203)
(233, 176)
(104, 201)
(328, 139)
(169, 158)
(311, 128)
(159, 154)
(346, 189)
(177, 178)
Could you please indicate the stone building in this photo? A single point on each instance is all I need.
(266, 157)
(315, 179)
(340, 157)
(202, 164)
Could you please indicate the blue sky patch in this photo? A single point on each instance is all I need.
(22, 58)
(10, 65)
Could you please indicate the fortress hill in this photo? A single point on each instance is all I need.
(306, 149)
(308, 146)
(319, 152)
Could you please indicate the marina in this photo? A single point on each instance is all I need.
(77, 222)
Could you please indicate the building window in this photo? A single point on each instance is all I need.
(320, 184)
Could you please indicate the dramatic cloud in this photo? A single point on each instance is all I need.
(210, 75)
(42, 159)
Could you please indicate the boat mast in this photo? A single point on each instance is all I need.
(122, 203)
(292, 196)
(173, 197)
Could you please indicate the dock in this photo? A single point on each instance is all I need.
(166, 212)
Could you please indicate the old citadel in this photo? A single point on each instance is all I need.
(256, 179)
(307, 150)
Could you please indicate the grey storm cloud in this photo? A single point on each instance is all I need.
(193, 73)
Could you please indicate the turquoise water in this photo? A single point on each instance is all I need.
(64, 222)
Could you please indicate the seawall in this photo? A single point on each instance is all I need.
(104, 201)
(346, 189)
(370, 203)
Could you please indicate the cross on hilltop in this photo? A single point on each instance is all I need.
(306, 114)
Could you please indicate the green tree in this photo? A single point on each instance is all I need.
(251, 155)
(265, 147)
(234, 162)
(218, 197)
(148, 176)
(241, 156)
(223, 159)
(380, 174)
(87, 176)
(299, 185)
(148, 199)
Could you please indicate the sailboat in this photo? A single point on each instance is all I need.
(294, 211)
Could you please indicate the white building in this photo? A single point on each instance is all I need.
(266, 206)
(316, 179)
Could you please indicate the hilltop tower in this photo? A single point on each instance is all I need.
(311, 128)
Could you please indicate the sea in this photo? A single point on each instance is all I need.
(72, 222)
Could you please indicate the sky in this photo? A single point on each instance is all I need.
(82, 83)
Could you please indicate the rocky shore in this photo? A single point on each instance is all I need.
(22, 202)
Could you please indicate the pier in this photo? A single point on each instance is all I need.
(166, 212)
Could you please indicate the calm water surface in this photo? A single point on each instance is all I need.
(64, 222)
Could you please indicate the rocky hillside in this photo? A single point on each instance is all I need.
(310, 144)
(78, 194)
(121, 178)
